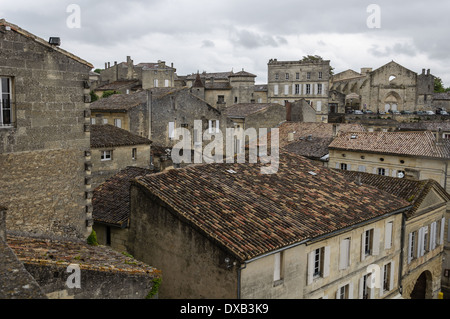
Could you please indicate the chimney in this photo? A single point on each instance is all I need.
(288, 111)
(423, 71)
(335, 130)
(439, 136)
(106, 65)
(109, 65)
(428, 72)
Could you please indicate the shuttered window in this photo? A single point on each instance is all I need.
(344, 254)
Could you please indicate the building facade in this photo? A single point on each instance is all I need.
(44, 136)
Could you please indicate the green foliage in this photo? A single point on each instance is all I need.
(439, 86)
(312, 58)
(109, 93)
(92, 239)
(98, 71)
(94, 96)
(156, 283)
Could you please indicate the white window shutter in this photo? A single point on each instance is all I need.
(441, 237)
(217, 126)
(326, 262)
(409, 247)
(338, 165)
(375, 171)
(210, 127)
(350, 290)
(391, 277)
(310, 267)
(394, 173)
(349, 167)
(432, 236)
(315, 88)
(286, 89)
(319, 106)
(293, 89)
(388, 236)
(376, 242)
(277, 267)
(419, 242)
(363, 244)
(381, 283)
(275, 89)
(386, 171)
(361, 287)
(361, 168)
(344, 254)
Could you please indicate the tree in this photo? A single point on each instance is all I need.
(316, 58)
(439, 86)
(109, 93)
(98, 71)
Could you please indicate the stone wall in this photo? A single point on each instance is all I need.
(42, 155)
(192, 265)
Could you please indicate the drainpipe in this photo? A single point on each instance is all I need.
(402, 252)
(239, 280)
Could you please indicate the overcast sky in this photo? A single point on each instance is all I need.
(217, 36)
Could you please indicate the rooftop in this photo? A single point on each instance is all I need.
(43, 42)
(111, 200)
(106, 135)
(249, 213)
(413, 191)
(246, 109)
(422, 144)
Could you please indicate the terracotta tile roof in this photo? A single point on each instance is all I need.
(246, 109)
(39, 40)
(422, 144)
(117, 85)
(106, 135)
(218, 86)
(249, 214)
(209, 75)
(242, 73)
(62, 253)
(413, 191)
(111, 200)
(314, 148)
(317, 130)
(125, 102)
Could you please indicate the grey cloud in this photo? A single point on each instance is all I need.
(208, 44)
(251, 40)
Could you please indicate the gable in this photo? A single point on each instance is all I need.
(430, 201)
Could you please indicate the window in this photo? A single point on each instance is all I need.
(365, 291)
(319, 88)
(344, 254)
(286, 89)
(155, 83)
(381, 171)
(106, 155)
(318, 263)
(171, 130)
(275, 89)
(118, 123)
(287, 76)
(213, 126)
(425, 240)
(343, 292)
(5, 102)
(235, 99)
(343, 166)
(411, 245)
(297, 89)
(105, 121)
(308, 75)
(277, 76)
(308, 89)
(134, 153)
(386, 277)
(166, 83)
(320, 75)
(370, 242)
(221, 99)
(92, 120)
(297, 76)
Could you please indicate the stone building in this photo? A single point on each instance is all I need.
(149, 75)
(422, 234)
(389, 87)
(223, 89)
(46, 209)
(44, 136)
(113, 149)
(111, 208)
(441, 101)
(227, 231)
(294, 80)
